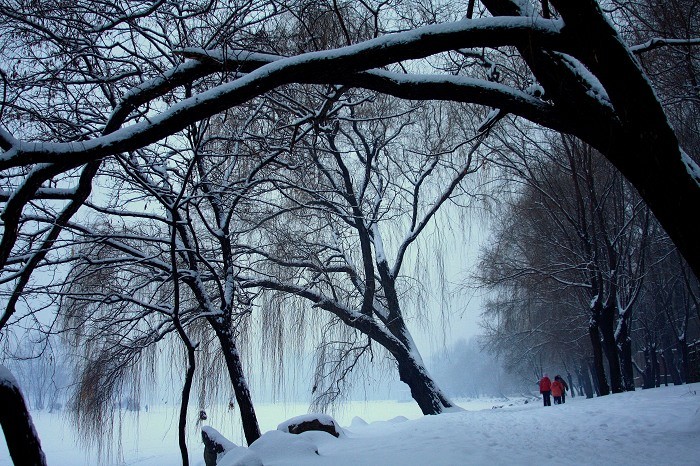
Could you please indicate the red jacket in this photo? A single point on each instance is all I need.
(545, 384)
(557, 388)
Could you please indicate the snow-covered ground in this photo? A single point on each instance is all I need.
(659, 426)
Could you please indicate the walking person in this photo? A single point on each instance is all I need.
(557, 389)
(565, 385)
(546, 389)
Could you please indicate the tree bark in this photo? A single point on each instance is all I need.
(662, 357)
(656, 368)
(249, 419)
(423, 389)
(671, 367)
(594, 378)
(649, 373)
(625, 345)
(627, 366)
(682, 345)
(584, 380)
(607, 329)
(571, 384)
(636, 136)
(184, 403)
(396, 340)
(412, 372)
(21, 437)
(646, 150)
(598, 371)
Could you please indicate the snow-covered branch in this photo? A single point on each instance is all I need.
(658, 42)
(313, 67)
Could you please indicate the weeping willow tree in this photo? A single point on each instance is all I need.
(369, 178)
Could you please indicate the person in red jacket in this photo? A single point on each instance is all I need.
(546, 389)
(557, 390)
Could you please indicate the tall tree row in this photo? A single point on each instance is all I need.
(653, 314)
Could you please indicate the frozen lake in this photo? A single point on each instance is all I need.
(656, 426)
(150, 438)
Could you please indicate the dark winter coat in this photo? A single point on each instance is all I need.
(563, 382)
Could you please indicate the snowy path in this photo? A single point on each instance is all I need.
(659, 427)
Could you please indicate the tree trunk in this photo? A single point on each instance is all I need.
(638, 140)
(594, 378)
(656, 369)
(671, 369)
(249, 419)
(412, 371)
(682, 345)
(625, 346)
(647, 152)
(184, 403)
(396, 339)
(423, 389)
(627, 366)
(641, 373)
(598, 371)
(662, 358)
(626, 357)
(607, 329)
(22, 440)
(584, 380)
(571, 383)
(649, 374)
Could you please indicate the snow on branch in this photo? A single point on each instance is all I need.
(242, 61)
(6, 140)
(691, 166)
(658, 42)
(353, 318)
(43, 193)
(314, 67)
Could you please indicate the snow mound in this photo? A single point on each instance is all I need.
(240, 456)
(453, 409)
(276, 445)
(357, 421)
(314, 421)
(216, 446)
(397, 420)
(216, 436)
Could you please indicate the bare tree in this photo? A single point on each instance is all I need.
(355, 195)
(621, 116)
(190, 222)
(667, 322)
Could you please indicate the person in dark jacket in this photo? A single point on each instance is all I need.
(557, 389)
(546, 389)
(563, 384)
